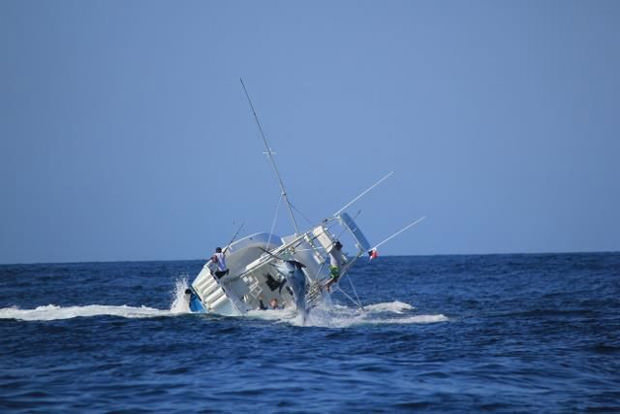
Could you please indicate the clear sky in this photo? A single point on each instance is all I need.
(125, 134)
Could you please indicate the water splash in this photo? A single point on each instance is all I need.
(180, 303)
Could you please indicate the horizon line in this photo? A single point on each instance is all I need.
(386, 255)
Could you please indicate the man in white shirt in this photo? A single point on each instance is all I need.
(218, 259)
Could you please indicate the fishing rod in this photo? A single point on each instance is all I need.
(234, 237)
(273, 162)
(397, 233)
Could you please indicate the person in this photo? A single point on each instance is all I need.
(273, 304)
(335, 263)
(218, 259)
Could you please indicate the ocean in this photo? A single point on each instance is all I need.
(507, 333)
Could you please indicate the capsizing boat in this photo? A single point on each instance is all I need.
(268, 271)
(293, 269)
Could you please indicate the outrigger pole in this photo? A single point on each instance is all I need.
(398, 232)
(363, 193)
(273, 163)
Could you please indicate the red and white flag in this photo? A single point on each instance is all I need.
(372, 254)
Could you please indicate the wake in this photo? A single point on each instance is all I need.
(178, 306)
(328, 315)
(325, 315)
(53, 312)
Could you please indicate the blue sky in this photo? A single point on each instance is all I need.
(125, 134)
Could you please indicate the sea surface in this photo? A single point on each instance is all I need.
(506, 333)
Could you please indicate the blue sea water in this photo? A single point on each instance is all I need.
(508, 333)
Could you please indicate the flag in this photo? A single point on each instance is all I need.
(372, 254)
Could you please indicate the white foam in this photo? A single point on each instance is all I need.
(179, 305)
(53, 312)
(415, 319)
(327, 315)
(280, 315)
(396, 307)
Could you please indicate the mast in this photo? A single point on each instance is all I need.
(273, 162)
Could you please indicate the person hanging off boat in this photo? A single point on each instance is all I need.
(218, 264)
(273, 304)
(336, 260)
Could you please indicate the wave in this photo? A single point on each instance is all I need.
(326, 314)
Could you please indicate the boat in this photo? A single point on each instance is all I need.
(293, 269)
(266, 271)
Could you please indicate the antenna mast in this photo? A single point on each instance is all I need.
(273, 162)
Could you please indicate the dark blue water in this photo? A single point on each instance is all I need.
(511, 333)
